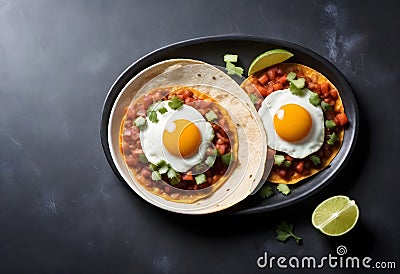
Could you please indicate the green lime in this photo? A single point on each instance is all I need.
(269, 58)
(335, 216)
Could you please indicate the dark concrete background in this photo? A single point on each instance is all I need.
(63, 210)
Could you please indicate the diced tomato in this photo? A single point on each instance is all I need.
(263, 90)
(221, 148)
(277, 86)
(263, 79)
(333, 93)
(282, 79)
(289, 158)
(188, 176)
(300, 167)
(324, 87)
(342, 117)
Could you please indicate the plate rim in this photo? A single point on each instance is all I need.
(124, 77)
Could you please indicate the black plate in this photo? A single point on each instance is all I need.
(212, 50)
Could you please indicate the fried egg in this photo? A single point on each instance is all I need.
(180, 137)
(293, 125)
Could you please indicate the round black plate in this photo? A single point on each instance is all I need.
(212, 50)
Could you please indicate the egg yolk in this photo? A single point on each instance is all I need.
(184, 140)
(292, 122)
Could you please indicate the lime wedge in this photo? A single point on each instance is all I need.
(269, 58)
(335, 216)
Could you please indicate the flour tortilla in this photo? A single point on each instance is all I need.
(251, 153)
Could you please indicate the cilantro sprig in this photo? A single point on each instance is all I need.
(296, 85)
(163, 110)
(315, 159)
(266, 192)
(152, 114)
(314, 99)
(175, 103)
(280, 160)
(284, 231)
(283, 188)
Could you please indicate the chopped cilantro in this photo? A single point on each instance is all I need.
(153, 167)
(279, 159)
(233, 58)
(163, 169)
(229, 59)
(333, 138)
(174, 181)
(226, 158)
(239, 71)
(232, 69)
(143, 159)
(325, 106)
(253, 98)
(314, 99)
(173, 176)
(211, 116)
(155, 175)
(330, 124)
(162, 163)
(171, 173)
(284, 231)
(152, 116)
(162, 110)
(287, 163)
(175, 102)
(140, 122)
(201, 178)
(283, 188)
(266, 192)
(315, 159)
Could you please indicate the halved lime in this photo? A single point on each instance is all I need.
(335, 216)
(269, 58)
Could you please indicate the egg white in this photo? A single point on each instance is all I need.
(151, 138)
(315, 137)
